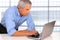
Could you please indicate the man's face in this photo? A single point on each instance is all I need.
(25, 11)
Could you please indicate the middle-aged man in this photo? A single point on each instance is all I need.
(15, 16)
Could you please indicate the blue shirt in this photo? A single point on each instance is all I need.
(12, 19)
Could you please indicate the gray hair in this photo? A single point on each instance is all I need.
(22, 3)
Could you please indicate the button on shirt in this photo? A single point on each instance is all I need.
(12, 20)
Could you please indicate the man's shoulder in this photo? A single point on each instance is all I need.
(12, 8)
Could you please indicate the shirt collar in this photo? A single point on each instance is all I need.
(18, 12)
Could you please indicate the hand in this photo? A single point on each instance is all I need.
(35, 35)
(34, 32)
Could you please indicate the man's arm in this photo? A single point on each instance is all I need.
(10, 25)
(24, 33)
(30, 23)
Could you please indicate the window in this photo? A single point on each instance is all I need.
(14, 2)
(54, 14)
(2, 10)
(42, 11)
(54, 2)
(37, 15)
(4, 3)
(39, 2)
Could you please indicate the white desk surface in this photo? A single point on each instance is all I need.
(54, 36)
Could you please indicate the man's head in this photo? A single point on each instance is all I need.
(24, 7)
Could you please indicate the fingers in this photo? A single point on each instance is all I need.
(34, 31)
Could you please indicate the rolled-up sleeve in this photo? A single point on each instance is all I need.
(30, 23)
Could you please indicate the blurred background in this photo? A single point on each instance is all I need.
(42, 11)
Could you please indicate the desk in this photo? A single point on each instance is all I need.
(54, 36)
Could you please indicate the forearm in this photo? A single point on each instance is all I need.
(22, 33)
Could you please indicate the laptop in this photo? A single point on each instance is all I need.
(47, 31)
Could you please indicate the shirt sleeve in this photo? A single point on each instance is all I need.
(30, 23)
(9, 22)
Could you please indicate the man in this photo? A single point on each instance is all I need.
(15, 16)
